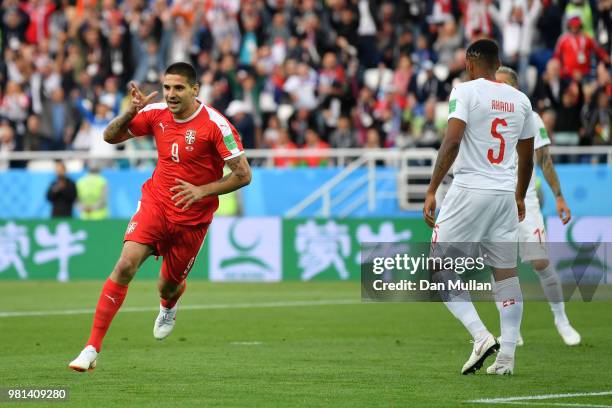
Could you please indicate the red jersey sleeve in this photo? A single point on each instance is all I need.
(141, 124)
(225, 136)
(601, 53)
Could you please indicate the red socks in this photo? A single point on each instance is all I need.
(169, 304)
(110, 301)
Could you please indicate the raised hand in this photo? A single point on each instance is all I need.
(139, 101)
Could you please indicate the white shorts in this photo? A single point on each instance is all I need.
(532, 238)
(486, 218)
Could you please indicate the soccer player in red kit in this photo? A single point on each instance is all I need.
(194, 142)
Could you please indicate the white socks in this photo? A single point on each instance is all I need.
(460, 304)
(551, 286)
(467, 314)
(509, 296)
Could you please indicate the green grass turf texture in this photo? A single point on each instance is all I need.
(349, 355)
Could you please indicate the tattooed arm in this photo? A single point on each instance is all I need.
(446, 157)
(117, 130)
(544, 160)
(240, 176)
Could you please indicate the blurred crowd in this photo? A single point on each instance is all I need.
(297, 74)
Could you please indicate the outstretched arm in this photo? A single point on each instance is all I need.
(187, 193)
(601, 53)
(545, 162)
(446, 157)
(496, 15)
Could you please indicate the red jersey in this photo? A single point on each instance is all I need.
(285, 161)
(574, 52)
(315, 161)
(193, 150)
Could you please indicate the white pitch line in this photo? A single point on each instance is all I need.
(246, 343)
(522, 400)
(554, 404)
(212, 306)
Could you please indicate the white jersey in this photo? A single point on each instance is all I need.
(496, 117)
(540, 140)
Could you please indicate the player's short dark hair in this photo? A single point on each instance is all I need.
(484, 51)
(183, 69)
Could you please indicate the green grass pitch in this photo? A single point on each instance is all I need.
(337, 353)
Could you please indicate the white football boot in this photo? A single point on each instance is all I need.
(569, 335)
(164, 322)
(501, 366)
(86, 361)
(482, 349)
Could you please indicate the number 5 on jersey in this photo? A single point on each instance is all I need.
(502, 143)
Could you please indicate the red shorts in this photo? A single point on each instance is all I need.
(177, 244)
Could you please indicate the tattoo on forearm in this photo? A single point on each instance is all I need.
(118, 126)
(548, 169)
(240, 168)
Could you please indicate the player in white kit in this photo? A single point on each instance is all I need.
(532, 238)
(488, 124)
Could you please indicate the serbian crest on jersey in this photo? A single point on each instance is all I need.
(190, 136)
(131, 227)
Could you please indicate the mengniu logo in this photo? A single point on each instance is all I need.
(245, 249)
(581, 261)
